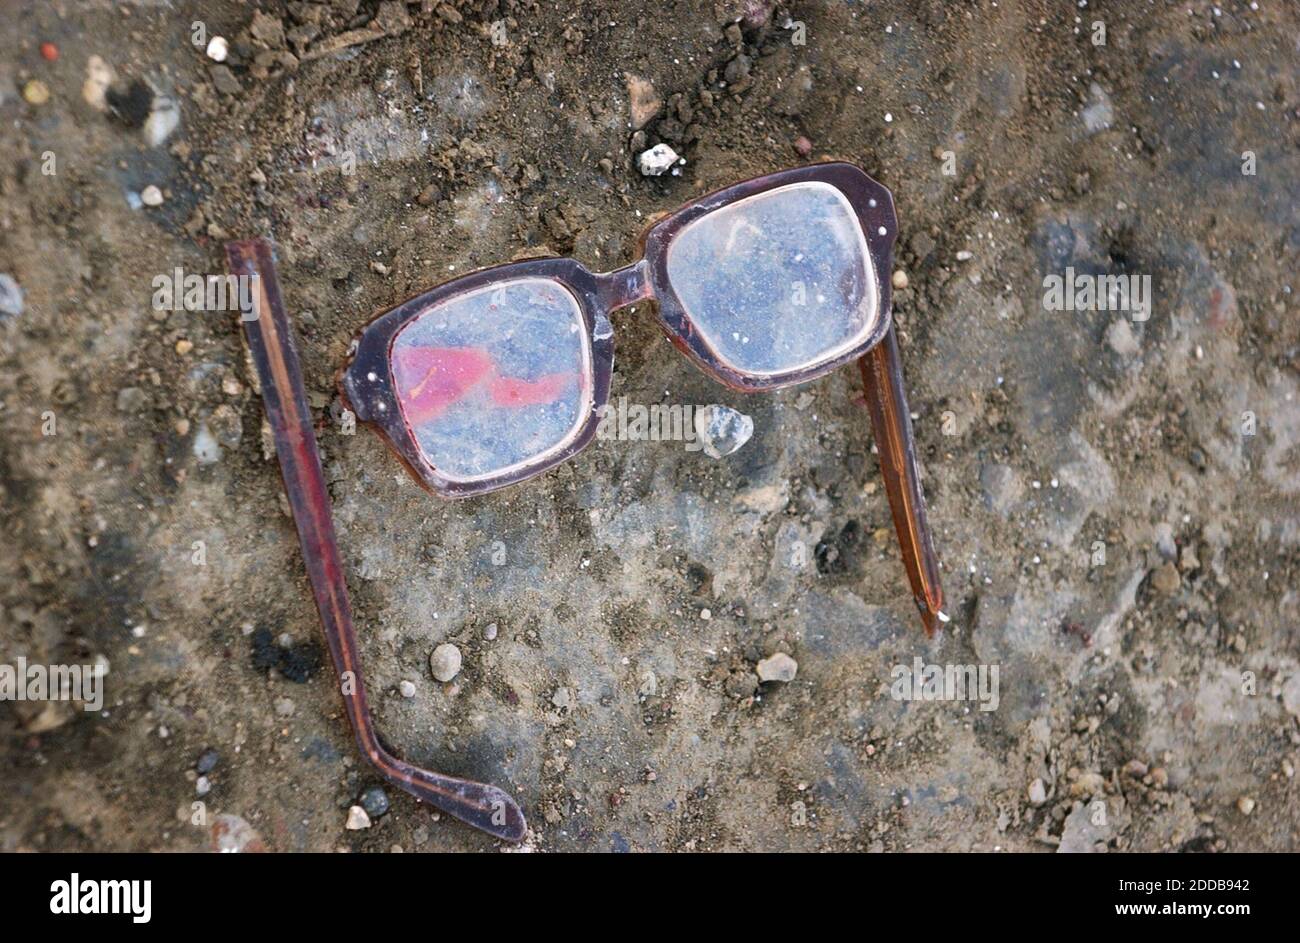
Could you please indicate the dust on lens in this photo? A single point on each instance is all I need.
(494, 378)
(779, 281)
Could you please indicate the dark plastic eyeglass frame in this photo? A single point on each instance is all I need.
(274, 354)
(367, 381)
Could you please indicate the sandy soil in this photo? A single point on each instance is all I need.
(1147, 702)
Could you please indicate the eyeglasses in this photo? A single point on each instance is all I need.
(495, 377)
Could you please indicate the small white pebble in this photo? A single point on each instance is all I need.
(445, 662)
(407, 688)
(218, 49)
(151, 196)
(656, 160)
(1037, 792)
(357, 819)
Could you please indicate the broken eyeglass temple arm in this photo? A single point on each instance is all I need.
(882, 377)
(270, 339)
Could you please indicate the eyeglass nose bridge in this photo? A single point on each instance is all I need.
(625, 286)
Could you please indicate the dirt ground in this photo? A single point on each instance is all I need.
(1116, 501)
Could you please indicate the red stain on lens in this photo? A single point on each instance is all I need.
(429, 379)
(511, 391)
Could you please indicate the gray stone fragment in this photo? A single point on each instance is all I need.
(778, 667)
(11, 297)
